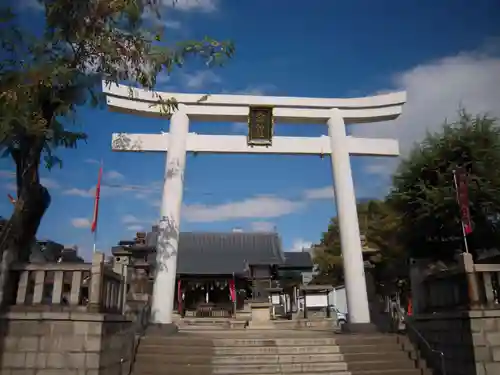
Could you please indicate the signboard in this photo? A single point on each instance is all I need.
(260, 126)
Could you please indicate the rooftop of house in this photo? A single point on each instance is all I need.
(49, 251)
(298, 260)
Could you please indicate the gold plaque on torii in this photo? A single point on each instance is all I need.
(260, 126)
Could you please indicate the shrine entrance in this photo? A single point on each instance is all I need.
(261, 112)
(204, 298)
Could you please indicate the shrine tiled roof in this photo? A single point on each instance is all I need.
(207, 253)
(225, 253)
(298, 260)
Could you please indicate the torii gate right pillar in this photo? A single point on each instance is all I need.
(345, 201)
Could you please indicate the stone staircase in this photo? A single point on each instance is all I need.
(276, 352)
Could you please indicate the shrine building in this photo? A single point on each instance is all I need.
(218, 274)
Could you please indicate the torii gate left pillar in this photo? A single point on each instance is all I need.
(333, 112)
(170, 218)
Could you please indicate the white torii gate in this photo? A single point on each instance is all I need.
(228, 108)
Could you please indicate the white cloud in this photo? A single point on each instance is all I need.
(49, 183)
(138, 191)
(33, 5)
(436, 90)
(262, 226)
(376, 168)
(326, 192)
(200, 79)
(136, 224)
(299, 244)
(7, 174)
(130, 219)
(135, 228)
(257, 207)
(171, 24)
(80, 222)
(206, 6)
(257, 89)
(260, 207)
(162, 78)
(80, 192)
(11, 186)
(113, 175)
(379, 169)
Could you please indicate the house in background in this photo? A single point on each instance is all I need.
(43, 251)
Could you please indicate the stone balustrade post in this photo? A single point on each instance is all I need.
(96, 282)
(467, 262)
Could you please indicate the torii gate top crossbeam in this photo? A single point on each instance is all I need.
(221, 108)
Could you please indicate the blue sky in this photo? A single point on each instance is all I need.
(444, 53)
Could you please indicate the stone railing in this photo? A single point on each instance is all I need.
(468, 286)
(85, 287)
(457, 311)
(488, 284)
(66, 318)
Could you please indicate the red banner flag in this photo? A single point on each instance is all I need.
(11, 199)
(232, 290)
(96, 202)
(463, 199)
(179, 296)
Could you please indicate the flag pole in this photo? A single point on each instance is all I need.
(464, 235)
(95, 241)
(234, 301)
(96, 206)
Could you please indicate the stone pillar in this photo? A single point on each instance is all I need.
(418, 294)
(168, 234)
(345, 198)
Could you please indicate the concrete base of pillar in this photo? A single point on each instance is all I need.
(162, 329)
(261, 315)
(359, 328)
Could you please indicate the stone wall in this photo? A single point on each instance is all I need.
(470, 340)
(64, 343)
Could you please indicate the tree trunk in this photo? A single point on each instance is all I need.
(33, 199)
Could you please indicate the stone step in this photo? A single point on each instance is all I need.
(236, 342)
(364, 348)
(382, 364)
(399, 355)
(276, 352)
(253, 350)
(304, 368)
(259, 333)
(250, 342)
(371, 372)
(384, 372)
(382, 367)
(240, 359)
(373, 339)
(205, 358)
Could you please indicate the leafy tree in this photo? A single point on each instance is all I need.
(328, 253)
(420, 217)
(379, 231)
(45, 77)
(424, 193)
